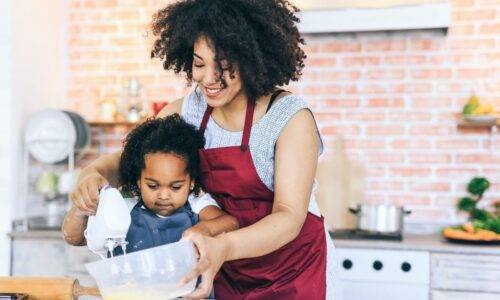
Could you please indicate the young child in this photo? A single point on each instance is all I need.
(159, 165)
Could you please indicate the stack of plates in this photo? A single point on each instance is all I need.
(51, 134)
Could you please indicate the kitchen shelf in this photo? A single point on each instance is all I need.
(468, 124)
(112, 124)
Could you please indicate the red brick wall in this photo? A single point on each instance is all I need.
(394, 96)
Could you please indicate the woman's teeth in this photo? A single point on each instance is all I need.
(213, 92)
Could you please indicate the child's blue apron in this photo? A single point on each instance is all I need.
(148, 230)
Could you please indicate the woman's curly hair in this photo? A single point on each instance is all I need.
(161, 135)
(259, 38)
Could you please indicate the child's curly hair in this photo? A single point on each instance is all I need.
(161, 135)
(260, 39)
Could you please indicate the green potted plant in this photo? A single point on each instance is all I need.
(479, 218)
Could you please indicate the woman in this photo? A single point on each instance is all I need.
(261, 151)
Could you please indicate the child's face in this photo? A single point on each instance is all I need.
(165, 183)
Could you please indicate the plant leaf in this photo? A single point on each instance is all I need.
(481, 215)
(478, 185)
(466, 204)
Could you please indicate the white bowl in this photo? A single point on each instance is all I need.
(50, 135)
(148, 274)
(481, 119)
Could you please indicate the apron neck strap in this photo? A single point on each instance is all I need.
(204, 121)
(248, 125)
(246, 130)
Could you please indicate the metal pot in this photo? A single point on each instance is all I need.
(382, 218)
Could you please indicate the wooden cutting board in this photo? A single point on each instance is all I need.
(46, 288)
(340, 185)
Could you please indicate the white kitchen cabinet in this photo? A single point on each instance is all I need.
(50, 257)
(444, 270)
(473, 273)
(451, 295)
(39, 257)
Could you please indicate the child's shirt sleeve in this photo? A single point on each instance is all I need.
(131, 202)
(200, 202)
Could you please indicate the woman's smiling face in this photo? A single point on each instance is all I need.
(206, 74)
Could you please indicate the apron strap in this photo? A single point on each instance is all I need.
(204, 121)
(273, 97)
(248, 125)
(246, 130)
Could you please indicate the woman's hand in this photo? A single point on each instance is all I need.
(212, 254)
(86, 194)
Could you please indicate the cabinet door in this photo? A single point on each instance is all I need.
(39, 257)
(470, 273)
(449, 295)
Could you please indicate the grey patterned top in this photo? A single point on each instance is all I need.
(263, 136)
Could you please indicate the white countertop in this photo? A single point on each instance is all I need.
(434, 243)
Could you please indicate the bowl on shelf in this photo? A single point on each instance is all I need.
(480, 119)
(52, 134)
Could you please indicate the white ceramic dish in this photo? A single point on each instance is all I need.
(483, 119)
(50, 135)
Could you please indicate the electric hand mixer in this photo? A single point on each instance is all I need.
(108, 228)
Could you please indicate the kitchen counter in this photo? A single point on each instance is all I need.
(433, 243)
(36, 234)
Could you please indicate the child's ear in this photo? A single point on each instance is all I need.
(139, 183)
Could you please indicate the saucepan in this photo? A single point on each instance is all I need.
(380, 218)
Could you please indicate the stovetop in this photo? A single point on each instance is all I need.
(356, 234)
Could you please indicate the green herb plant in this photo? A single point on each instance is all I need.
(480, 218)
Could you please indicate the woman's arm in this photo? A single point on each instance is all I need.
(73, 227)
(296, 158)
(172, 108)
(213, 221)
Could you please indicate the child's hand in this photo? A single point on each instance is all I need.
(86, 195)
(195, 230)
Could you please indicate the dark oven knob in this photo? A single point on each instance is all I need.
(347, 264)
(406, 267)
(377, 265)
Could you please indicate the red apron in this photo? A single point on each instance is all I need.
(296, 270)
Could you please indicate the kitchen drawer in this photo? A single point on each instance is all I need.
(458, 272)
(39, 258)
(449, 295)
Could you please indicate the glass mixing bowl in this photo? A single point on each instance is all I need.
(148, 274)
